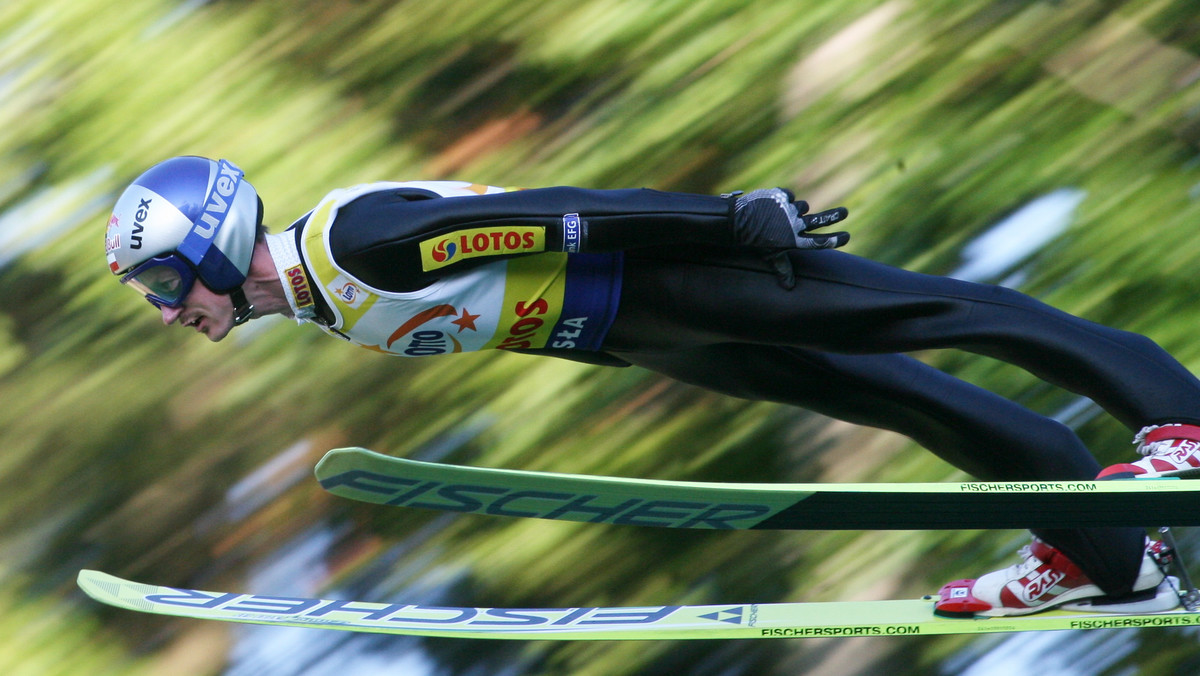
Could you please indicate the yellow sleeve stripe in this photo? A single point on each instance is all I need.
(330, 281)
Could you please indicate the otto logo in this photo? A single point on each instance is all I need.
(442, 251)
(139, 223)
(429, 342)
(420, 335)
(348, 293)
(300, 288)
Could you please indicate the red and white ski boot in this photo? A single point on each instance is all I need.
(1047, 579)
(1170, 449)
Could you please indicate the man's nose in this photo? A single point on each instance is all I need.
(170, 314)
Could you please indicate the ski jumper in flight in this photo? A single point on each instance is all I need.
(734, 293)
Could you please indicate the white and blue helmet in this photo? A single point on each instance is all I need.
(194, 214)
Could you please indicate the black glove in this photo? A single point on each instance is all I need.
(773, 219)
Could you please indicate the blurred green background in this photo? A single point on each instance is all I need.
(155, 455)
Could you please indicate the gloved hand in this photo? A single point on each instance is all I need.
(773, 219)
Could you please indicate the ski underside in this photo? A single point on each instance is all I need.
(363, 475)
(724, 621)
(359, 474)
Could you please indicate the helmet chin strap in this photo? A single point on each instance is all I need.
(242, 309)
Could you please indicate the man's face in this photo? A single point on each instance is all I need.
(203, 310)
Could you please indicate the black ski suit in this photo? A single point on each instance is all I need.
(697, 307)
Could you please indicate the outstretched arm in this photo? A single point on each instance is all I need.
(402, 236)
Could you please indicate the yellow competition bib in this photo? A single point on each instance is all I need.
(533, 302)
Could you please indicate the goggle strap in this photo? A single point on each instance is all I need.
(216, 267)
(242, 309)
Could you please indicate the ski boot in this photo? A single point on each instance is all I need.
(1170, 450)
(1047, 579)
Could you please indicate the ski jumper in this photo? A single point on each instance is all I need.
(662, 285)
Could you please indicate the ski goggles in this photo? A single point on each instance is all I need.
(164, 280)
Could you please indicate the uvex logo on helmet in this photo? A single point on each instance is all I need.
(139, 223)
(227, 184)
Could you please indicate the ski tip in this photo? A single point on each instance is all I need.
(91, 582)
(347, 453)
(349, 450)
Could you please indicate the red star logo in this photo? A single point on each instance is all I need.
(466, 321)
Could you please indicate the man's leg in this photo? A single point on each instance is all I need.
(849, 305)
(975, 430)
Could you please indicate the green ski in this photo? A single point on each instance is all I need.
(762, 620)
(359, 474)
